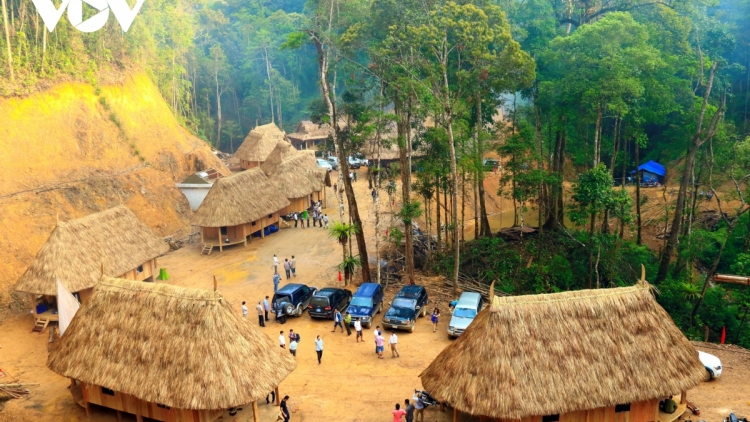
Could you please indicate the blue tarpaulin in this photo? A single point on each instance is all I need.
(653, 167)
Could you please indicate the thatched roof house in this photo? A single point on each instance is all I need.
(114, 241)
(236, 207)
(297, 176)
(308, 135)
(167, 352)
(585, 351)
(258, 145)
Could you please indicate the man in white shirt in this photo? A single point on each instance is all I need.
(375, 334)
(293, 347)
(266, 308)
(358, 329)
(259, 308)
(275, 264)
(244, 310)
(419, 408)
(393, 341)
(319, 348)
(282, 340)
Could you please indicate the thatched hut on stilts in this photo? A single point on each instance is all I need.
(166, 353)
(589, 356)
(258, 145)
(297, 176)
(236, 207)
(308, 135)
(114, 241)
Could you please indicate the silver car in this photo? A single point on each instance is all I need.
(466, 309)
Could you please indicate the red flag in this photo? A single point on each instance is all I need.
(723, 334)
(339, 276)
(386, 232)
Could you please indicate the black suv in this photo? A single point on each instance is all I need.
(326, 300)
(292, 299)
(409, 304)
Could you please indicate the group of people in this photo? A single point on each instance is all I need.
(317, 216)
(294, 339)
(262, 308)
(290, 269)
(410, 410)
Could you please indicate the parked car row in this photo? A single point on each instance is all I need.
(332, 163)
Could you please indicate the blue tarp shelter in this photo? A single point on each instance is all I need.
(652, 172)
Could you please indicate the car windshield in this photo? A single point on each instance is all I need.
(465, 313)
(361, 301)
(319, 301)
(401, 302)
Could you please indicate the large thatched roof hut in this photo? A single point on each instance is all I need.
(258, 145)
(297, 176)
(308, 135)
(581, 356)
(114, 241)
(167, 353)
(236, 207)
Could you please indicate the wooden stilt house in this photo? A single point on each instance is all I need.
(114, 241)
(166, 353)
(258, 145)
(583, 356)
(236, 207)
(308, 135)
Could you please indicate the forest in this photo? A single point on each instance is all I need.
(590, 90)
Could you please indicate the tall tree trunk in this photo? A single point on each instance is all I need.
(463, 204)
(218, 112)
(555, 218)
(540, 164)
(270, 84)
(437, 210)
(483, 222)
(476, 204)
(597, 135)
(403, 128)
(9, 54)
(639, 238)
(698, 139)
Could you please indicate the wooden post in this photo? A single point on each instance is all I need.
(442, 407)
(85, 393)
(455, 415)
(683, 397)
(72, 383)
(33, 305)
(705, 333)
(216, 284)
(256, 417)
(278, 399)
(262, 228)
(119, 415)
(244, 236)
(203, 242)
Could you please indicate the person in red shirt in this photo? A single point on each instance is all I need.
(398, 414)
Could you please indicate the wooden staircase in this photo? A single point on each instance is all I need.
(207, 250)
(40, 325)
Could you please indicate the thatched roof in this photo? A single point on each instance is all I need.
(260, 142)
(76, 251)
(563, 352)
(307, 130)
(281, 152)
(184, 348)
(240, 198)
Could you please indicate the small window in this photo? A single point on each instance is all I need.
(551, 418)
(622, 408)
(223, 231)
(163, 406)
(139, 269)
(108, 392)
(270, 215)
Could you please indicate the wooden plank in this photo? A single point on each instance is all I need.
(733, 279)
(256, 416)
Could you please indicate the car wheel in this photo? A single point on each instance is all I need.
(289, 309)
(411, 330)
(709, 375)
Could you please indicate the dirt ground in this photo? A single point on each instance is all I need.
(351, 384)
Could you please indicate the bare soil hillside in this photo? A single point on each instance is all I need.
(78, 149)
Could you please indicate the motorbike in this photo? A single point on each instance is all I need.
(426, 399)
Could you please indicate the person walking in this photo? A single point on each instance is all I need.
(259, 308)
(374, 194)
(293, 264)
(375, 335)
(293, 347)
(284, 409)
(276, 280)
(325, 220)
(379, 345)
(398, 414)
(244, 310)
(347, 321)
(282, 340)
(307, 217)
(418, 408)
(393, 341)
(266, 307)
(296, 219)
(358, 329)
(287, 269)
(275, 264)
(409, 411)
(337, 319)
(319, 348)
(434, 318)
